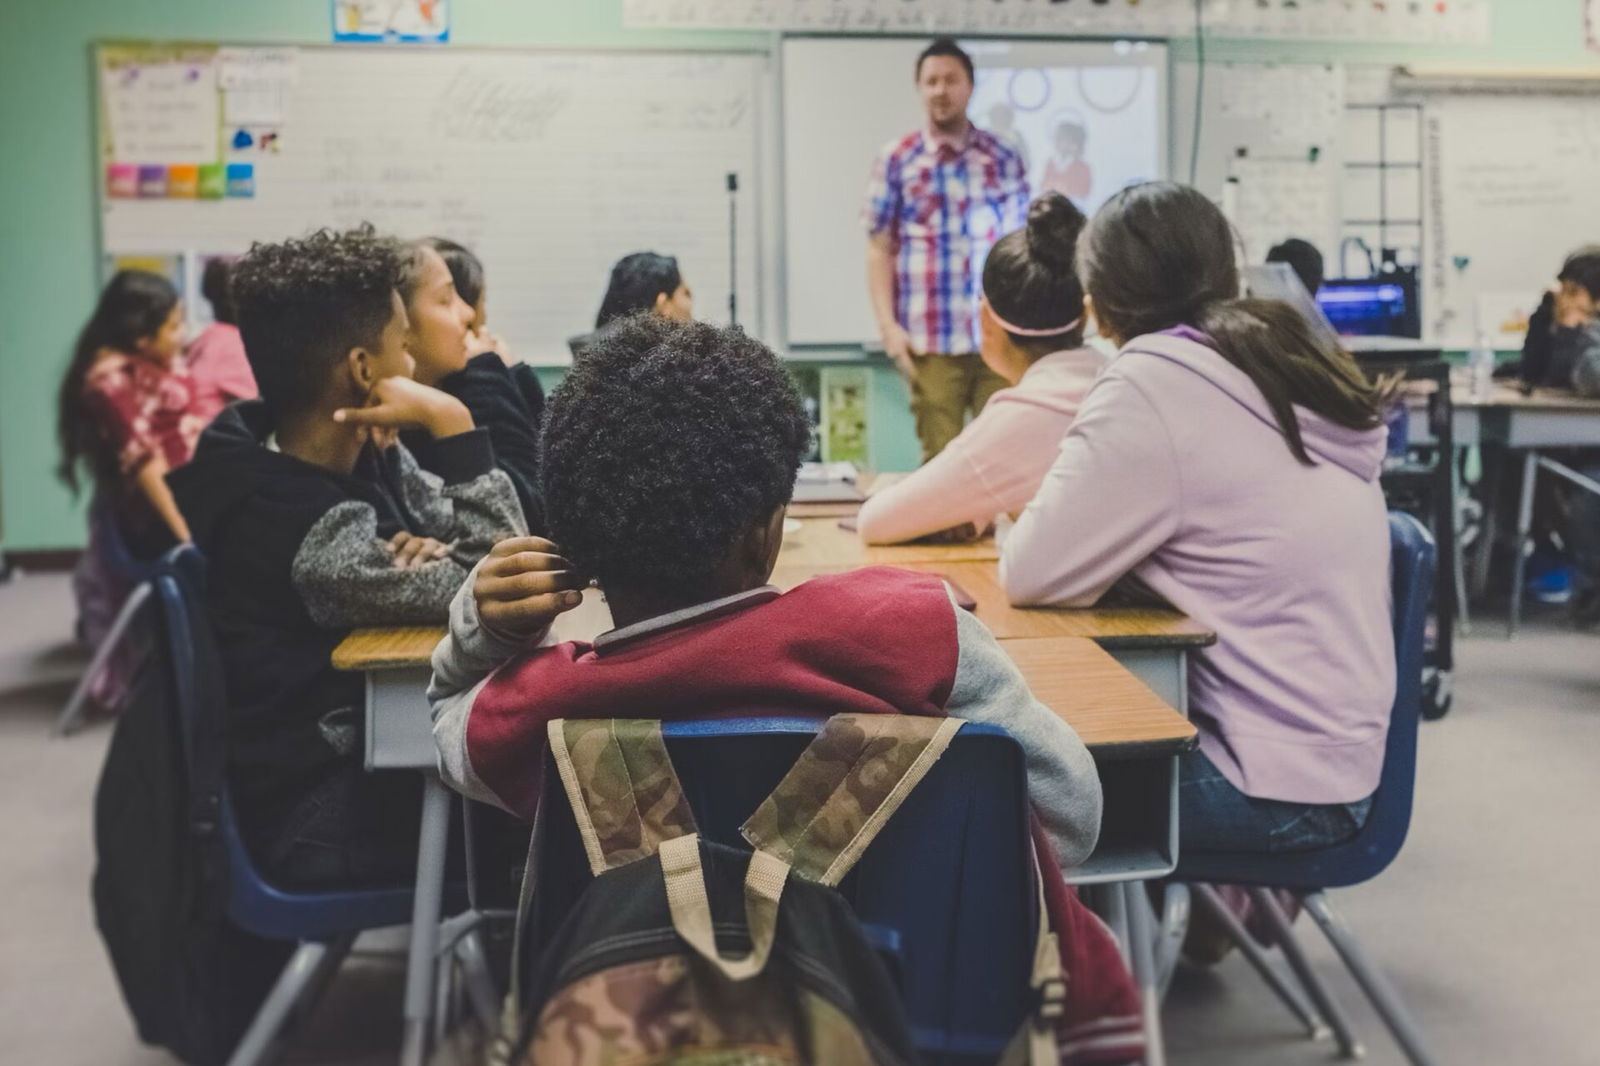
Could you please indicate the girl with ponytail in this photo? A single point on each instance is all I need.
(1229, 459)
(1031, 323)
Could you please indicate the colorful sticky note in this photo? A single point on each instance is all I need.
(241, 180)
(213, 181)
(152, 181)
(122, 180)
(242, 140)
(183, 181)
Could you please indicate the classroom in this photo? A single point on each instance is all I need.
(799, 531)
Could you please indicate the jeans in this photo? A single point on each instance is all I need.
(353, 830)
(1213, 815)
(1583, 531)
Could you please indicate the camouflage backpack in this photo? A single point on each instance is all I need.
(655, 965)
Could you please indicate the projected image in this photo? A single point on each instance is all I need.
(1081, 131)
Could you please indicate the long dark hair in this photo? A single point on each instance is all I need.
(133, 306)
(466, 269)
(1029, 279)
(636, 281)
(1161, 254)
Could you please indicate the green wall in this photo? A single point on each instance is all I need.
(47, 175)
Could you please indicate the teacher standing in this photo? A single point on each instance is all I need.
(939, 199)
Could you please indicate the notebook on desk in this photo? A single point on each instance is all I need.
(827, 483)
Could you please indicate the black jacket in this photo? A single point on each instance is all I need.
(509, 403)
(297, 556)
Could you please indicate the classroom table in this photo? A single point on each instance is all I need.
(1134, 735)
(1531, 422)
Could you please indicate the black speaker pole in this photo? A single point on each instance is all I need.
(733, 249)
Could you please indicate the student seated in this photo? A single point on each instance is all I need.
(126, 414)
(1303, 258)
(1562, 347)
(643, 281)
(301, 547)
(441, 340)
(1230, 460)
(680, 520)
(215, 360)
(1031, 323)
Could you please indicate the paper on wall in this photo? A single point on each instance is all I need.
(255, 84)
(163, 111)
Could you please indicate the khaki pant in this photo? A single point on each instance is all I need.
(945, 390)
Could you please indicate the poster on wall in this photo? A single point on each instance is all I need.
(391, 21)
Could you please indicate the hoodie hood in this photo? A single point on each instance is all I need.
(1359, 451)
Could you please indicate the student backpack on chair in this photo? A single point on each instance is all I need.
(192, 981)
(640, 969)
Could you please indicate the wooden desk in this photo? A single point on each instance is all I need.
(1116, 715)
(822, 547)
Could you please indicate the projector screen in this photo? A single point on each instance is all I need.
(1088, 117)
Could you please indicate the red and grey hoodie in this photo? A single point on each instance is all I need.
(874, 641)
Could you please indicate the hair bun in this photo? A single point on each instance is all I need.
(1054, 223)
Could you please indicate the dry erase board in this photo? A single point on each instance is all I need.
(845, 98)
(551, 165)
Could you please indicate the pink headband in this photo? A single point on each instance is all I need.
(1054, 331)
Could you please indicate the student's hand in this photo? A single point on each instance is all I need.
(413, 552)
(484, 340)
(523, 586)
(401, 403)
(898, 347)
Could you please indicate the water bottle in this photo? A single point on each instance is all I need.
(1481, 365)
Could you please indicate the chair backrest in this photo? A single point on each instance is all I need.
(112, 542)
(945, 892)
(253, 904)
(1412, 562)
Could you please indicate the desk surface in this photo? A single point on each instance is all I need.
(822, 547)
(1113, 711)
(1110, 627)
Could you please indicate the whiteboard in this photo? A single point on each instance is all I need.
(845, 98)
(551, 166)
(1510, 188)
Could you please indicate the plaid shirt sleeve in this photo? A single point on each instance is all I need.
(1013, 188)
(881, 213)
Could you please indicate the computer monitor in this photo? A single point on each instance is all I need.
(1384, 306)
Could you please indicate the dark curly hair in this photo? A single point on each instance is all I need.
(303, 304)
(666, 443)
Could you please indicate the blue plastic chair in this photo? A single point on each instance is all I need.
(324, 923)
(1412, 565)
(137, 574)
(945, 892)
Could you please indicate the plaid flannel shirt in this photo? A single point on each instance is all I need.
(943, 206)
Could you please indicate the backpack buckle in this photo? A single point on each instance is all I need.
(1052, 998)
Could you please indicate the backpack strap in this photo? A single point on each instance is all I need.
(1035, 1043)
(624, 792)
(836, 798)
(685, 876)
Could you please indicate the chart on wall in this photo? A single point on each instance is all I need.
(1088, 118)
(550, 165)
(1388, 21)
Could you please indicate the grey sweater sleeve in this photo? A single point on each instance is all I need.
(463, 662)
(474, 512)
(345, 573)
(1062, 780)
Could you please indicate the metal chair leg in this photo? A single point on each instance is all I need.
(305, 972)
(1383, 996)
(1327, 1006)
(1141, 937)
(1206, 899)
(1169, 936)
(72, 714)
(1519, 563)
(481, 992)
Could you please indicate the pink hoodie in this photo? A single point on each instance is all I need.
(996, 463)
(1176, 470)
